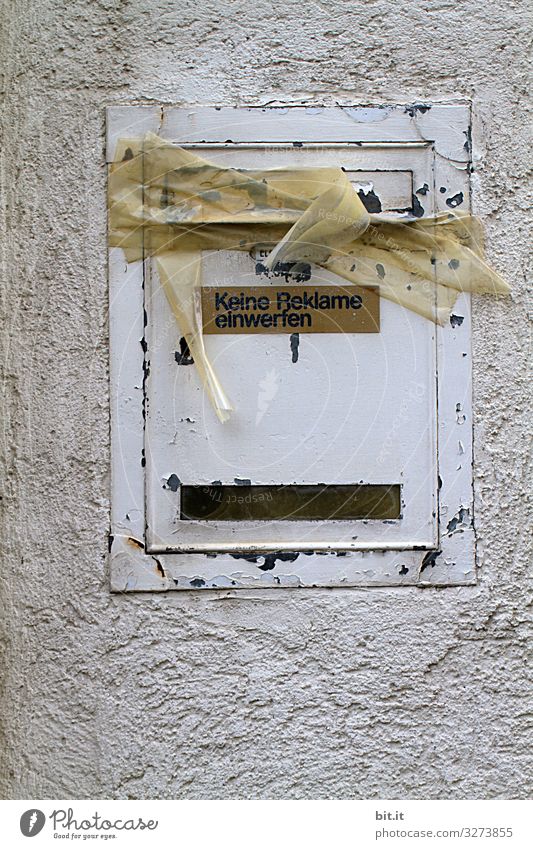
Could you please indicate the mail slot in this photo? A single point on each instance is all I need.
(344, 424)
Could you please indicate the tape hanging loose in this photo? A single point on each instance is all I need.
(170, 204)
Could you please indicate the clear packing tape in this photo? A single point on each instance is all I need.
(168, 203)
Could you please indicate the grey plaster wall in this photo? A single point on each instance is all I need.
(383, 693)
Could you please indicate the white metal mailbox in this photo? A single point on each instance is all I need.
(381, 417)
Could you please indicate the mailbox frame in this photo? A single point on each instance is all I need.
(445, 130)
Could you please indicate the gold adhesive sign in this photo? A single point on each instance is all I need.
(290, 309)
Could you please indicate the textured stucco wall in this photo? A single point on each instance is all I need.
(383, 693)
